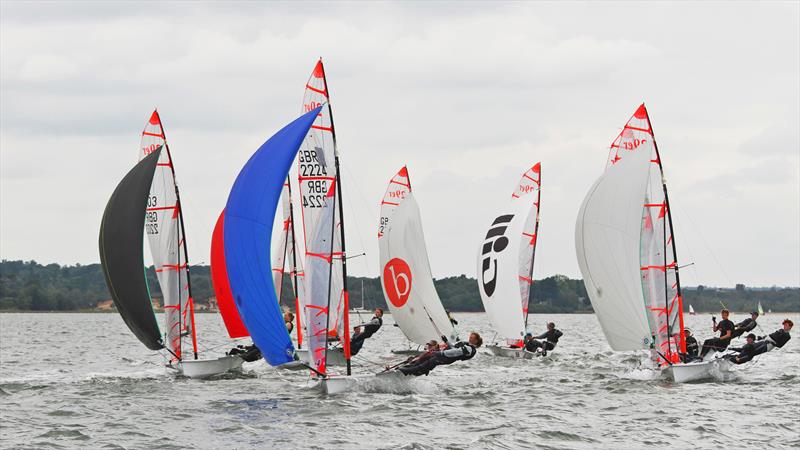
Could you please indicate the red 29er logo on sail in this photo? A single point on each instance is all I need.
(397, 281)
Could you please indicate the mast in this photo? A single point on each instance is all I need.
(181, 244)
(535, 242)
(338, 193)
(668, 213)
(294, 266)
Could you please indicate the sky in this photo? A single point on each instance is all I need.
(467, 95)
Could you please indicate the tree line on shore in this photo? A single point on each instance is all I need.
(28, 285)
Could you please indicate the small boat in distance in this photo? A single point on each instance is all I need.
(691, 311)
(505, 265)
(760, 309)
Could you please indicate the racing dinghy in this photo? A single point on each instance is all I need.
(505, 265)
(626, 251)
(166, 237)
(406, 276)
(247, 233)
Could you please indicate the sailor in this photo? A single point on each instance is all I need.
(746, 325)
(551, 335)
(776, 339)
(356, 342)
(248, 353)
(460, 351)
(365, 331)
(692, 347)
(725, 328)
(288, 317)
(746, 352)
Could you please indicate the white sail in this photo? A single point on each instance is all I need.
(505, 258)
(498, 270)
(691, 309)
(406, 275)
(166, 239)
(287, 263)
(607, 241)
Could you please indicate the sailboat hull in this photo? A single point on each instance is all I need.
(337, 385)
(204, 368)
(705, 370)
(507, 352)
(407, 352)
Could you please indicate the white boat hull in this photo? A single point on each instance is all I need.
(204, 368)
(507, 352)
(407, 352)
(704, 370)
(338, 384)
(335, 357)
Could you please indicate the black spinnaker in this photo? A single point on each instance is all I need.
(121, 251)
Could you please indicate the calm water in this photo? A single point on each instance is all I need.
(82, 380)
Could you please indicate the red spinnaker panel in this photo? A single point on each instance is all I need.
(219, 278)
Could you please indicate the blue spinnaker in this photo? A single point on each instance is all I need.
(249, 215)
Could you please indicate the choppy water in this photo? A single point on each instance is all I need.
(82, 380)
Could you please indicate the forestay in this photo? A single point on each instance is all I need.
(506, 256)
(406, 276)
(165, 234)
(249, 216)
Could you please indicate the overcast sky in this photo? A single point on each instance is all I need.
(467, 95)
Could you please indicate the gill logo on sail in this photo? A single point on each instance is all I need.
(494, 242)
(397, 281)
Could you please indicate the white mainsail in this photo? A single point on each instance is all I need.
(406, 276)
(626, 249)
(165, 235)
(505, 259)
(326, 300)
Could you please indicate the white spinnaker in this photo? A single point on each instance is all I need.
(321, 225)
(498, 270)
(165, 237)
(285, 257)
(607, 242)
(406, 276)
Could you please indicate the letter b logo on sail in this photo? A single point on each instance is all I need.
(397, 281)
(494, 243)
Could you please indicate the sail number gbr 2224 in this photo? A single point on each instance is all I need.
(314, 178)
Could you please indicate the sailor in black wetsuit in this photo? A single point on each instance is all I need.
(249, 353)
(692, 347)
(746, 326)
(369, 328)
(461, 351)
(551, 335)
(746, 352)
(776, 339)
(725, 328)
